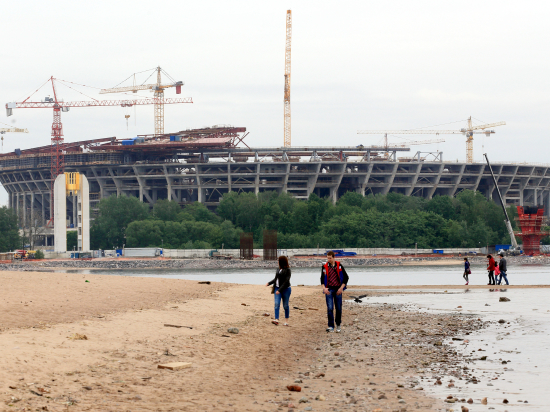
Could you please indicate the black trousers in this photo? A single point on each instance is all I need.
(492, 277)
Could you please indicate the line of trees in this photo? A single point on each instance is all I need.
(392, 220)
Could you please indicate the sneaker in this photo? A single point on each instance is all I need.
(467, 283)
(338, 330)
(285, 324)
(275, 322)
(330, 329)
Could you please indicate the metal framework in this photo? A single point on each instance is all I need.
(247, 246)
(270, 245)
(287, 79)
(57, 154)
(530, 220)
(203, 168)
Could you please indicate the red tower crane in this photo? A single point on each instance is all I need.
(58, 106)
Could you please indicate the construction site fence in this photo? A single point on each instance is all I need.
(235, 253)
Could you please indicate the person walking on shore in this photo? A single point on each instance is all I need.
(491, 269)
(281, 289)
(503, 269)
(334, 280)
(467, 270)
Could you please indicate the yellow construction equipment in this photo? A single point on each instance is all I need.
(287, 77)
(158, 88)
(10, 130)
(468, 132)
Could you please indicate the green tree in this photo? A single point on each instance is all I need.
(9, 231)
(115, 214)
(72, 240)
(166, 210)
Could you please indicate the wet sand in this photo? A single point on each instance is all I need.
(45, 364)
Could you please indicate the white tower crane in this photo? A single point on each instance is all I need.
(468, 132)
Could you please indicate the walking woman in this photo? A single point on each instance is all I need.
(491, 269)
(281, 289)
(467, 270)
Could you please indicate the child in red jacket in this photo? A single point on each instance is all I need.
(491, 268)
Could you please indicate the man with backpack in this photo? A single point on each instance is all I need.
(334, 280)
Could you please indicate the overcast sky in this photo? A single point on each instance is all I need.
(355, 65)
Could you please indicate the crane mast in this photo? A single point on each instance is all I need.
(287, 141)
(159, 107)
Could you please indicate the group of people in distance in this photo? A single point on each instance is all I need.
(496, 272)
(334, 280)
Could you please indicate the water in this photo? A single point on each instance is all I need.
(523, 343)
(375, 275)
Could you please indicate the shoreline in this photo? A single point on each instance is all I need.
(213, 264)
(123, 320)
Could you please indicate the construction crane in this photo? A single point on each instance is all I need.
(468, 132)
(57, 159)
(410, 143)
(287, 78)
(5, 130)
(158, 88)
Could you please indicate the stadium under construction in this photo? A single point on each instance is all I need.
(204, 164)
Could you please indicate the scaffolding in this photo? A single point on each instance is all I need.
(530, 220)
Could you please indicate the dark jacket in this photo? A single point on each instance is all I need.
(346, 277)
(502, 265)
(284, 280)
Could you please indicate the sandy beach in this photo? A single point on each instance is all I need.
(47, 364)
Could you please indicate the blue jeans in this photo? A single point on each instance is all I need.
(334, 300)
(285, 295)
(502, 275)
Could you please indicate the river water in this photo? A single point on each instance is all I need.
(523, 342)
(375, 275)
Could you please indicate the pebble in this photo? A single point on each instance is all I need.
(504, 299)
(303, 400)
(233, 330)
(505, 401)
(501, 321)
(484, 401)
(470, 401)
(320, 398)
(308, 408)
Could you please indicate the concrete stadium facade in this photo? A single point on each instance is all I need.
(207, 175)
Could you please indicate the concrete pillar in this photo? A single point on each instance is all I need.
(17, 205)
(24, 209)
(43, 209)
(60, 214)
(75, 211)
(83, 215)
